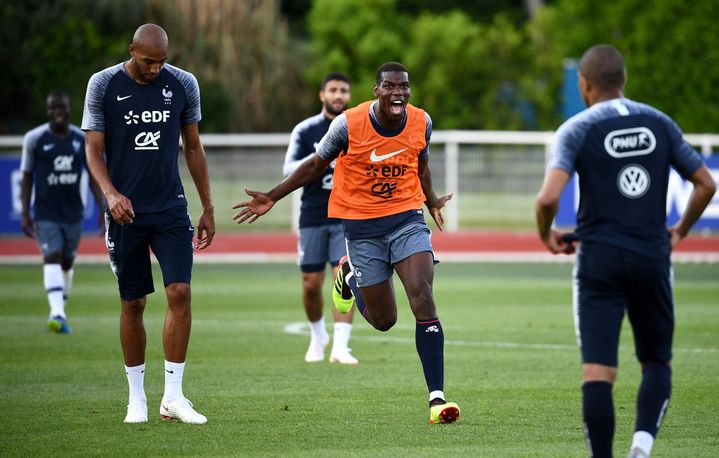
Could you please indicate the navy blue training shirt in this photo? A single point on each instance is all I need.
(622, 151)
(315, 196)
(57, 164)
(142, 125)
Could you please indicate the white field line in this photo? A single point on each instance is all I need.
(302, 329)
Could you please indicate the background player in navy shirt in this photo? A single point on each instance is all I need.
(135, 113)
(53, 160)
(621, 151)
(321, 239)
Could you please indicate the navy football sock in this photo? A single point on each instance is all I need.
(359, 302)
(429, 339)
(653, 397)
(598, 409)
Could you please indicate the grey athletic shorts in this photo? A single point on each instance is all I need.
(55, 237)
(372, 260)
(319, 245)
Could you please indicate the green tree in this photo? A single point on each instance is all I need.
(354, 37)
(669, 47)
(56, 45)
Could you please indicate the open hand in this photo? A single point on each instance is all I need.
(260, 204)
(435, 209)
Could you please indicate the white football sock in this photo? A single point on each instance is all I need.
(67, 281)
(173, 380)
(318, 330)
(52, 277)
(341, 336)
(436, 394)
(136, 381)
(643, 441)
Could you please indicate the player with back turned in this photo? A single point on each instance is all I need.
(622, 151)
(134, 115)
(381, 181)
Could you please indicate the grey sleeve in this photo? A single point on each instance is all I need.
(93, 112)
(335, 140)
(29, 142)
(567, 144)
(424, 154)
(685, 159)
(294, 153)
(192, 114)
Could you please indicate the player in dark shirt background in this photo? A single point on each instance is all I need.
(134, 115)
(621, 151)
(321, 239)
(53, 161)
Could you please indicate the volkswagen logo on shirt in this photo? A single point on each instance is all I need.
(633, 181)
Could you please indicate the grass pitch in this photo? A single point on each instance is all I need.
(510, 362)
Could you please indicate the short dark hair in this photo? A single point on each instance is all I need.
(389, 67)
(604, 66)
(335, 76)
(59, 93)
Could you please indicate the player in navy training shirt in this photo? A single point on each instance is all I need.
(53, 160)
(321, 239)
(622, 151)
(135, 113)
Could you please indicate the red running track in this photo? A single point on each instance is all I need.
(286, 243)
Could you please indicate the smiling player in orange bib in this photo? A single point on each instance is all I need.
(381, 180)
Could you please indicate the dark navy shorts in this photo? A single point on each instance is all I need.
(609, 280)
(319, 245)
(169, 235)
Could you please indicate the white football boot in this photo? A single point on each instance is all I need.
(343, 356)
(316, 350)
(136, 412)
(181, 409)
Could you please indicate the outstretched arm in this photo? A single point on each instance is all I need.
(704, 189)
(434, 204)
(262, 202)
(197, 165)
(546, 207)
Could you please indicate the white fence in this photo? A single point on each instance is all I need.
(493, 175)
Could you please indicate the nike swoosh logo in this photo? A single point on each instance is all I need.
(375, 158)
(48, 147)
(169, 372)
(120, 99)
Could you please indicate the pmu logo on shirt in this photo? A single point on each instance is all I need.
(637, 141)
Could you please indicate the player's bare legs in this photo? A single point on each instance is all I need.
(132, 331)
(380, 305)
(133, 340)
(178, 321)
(417, 275)
(312, 299)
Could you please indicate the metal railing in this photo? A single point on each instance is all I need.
(493, 175)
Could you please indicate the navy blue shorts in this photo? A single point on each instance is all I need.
(609, 280)
(169, 235)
